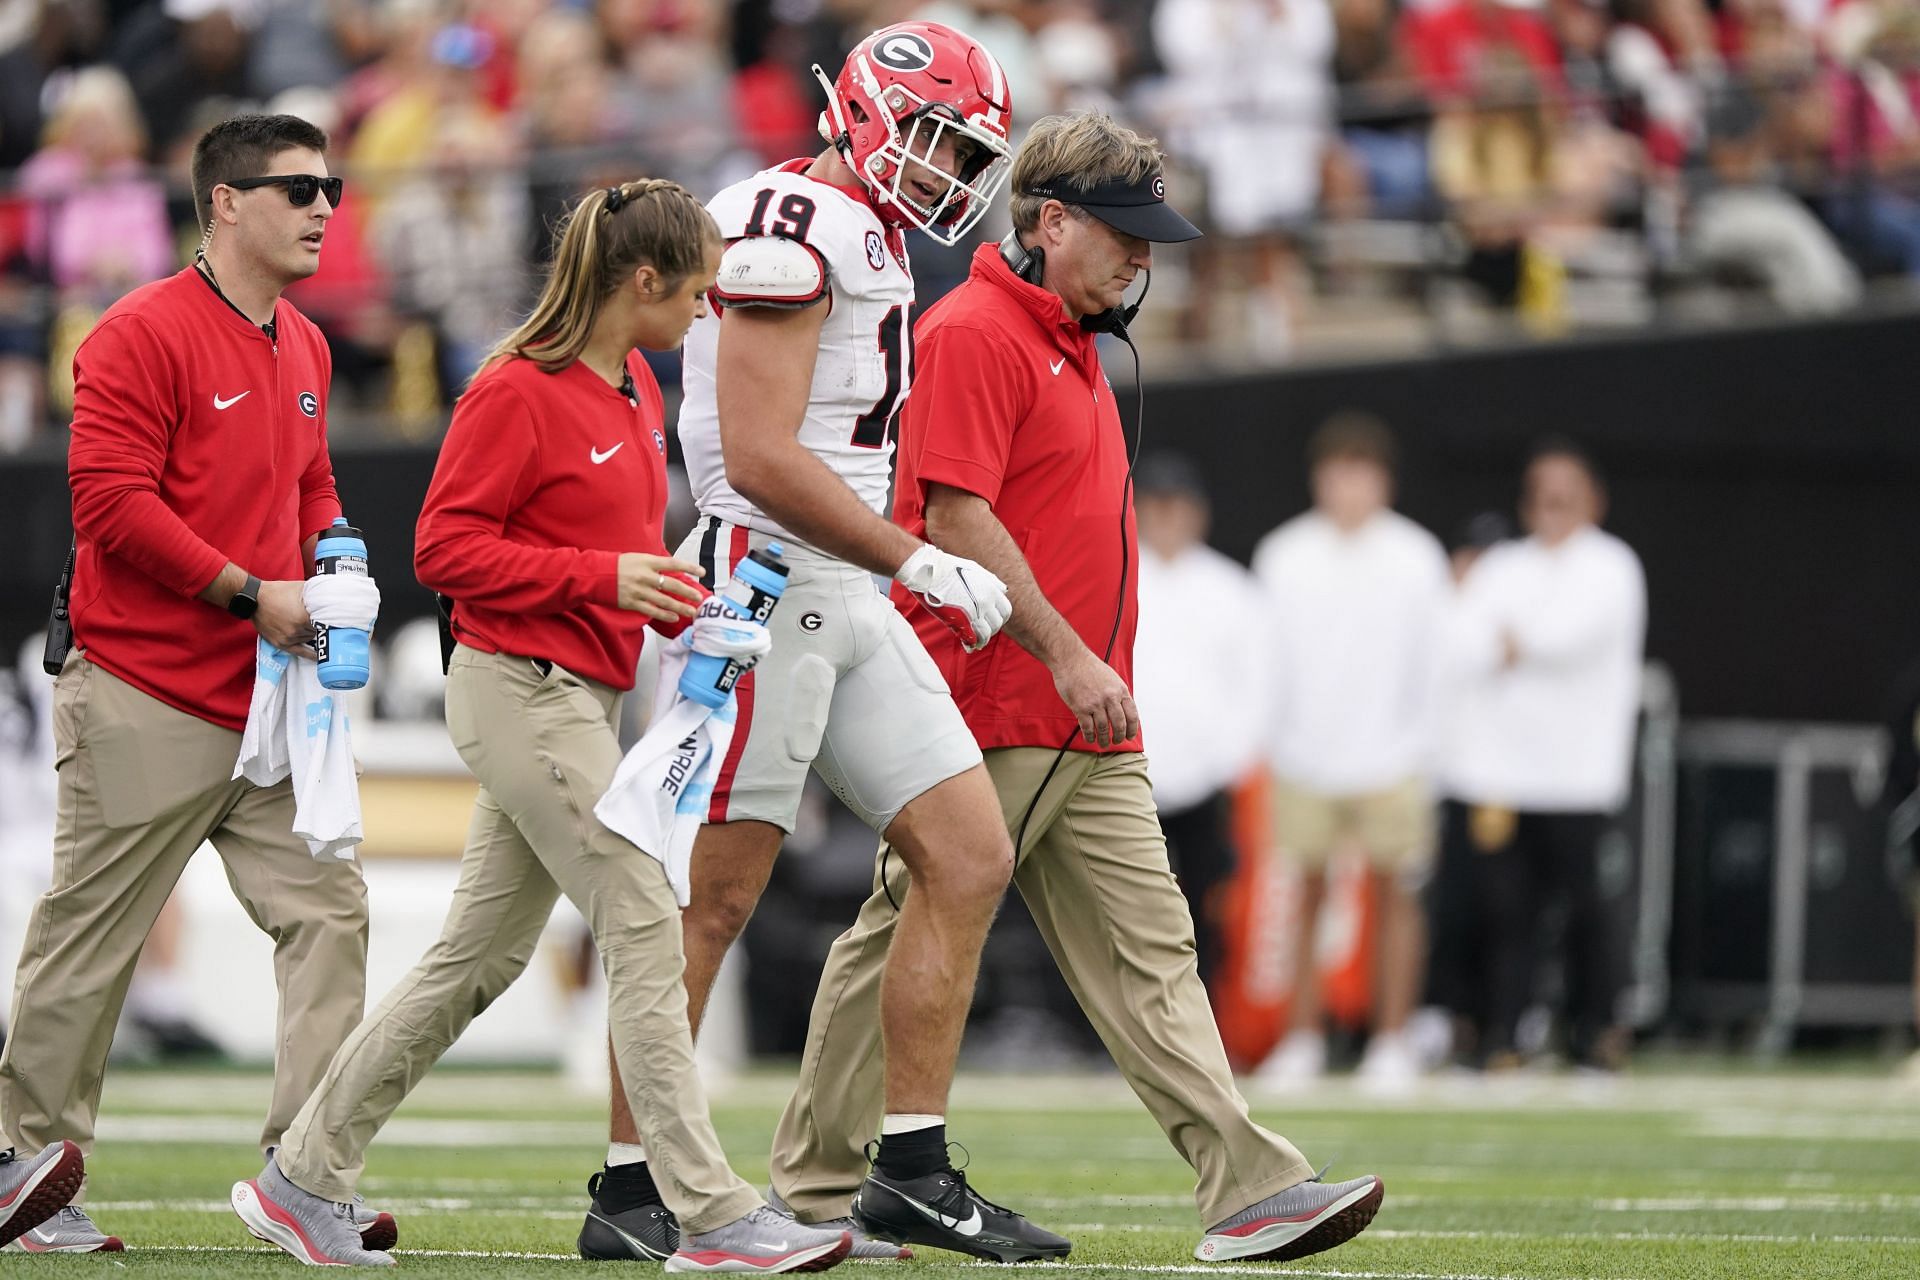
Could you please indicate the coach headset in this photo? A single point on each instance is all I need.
(1137, 208)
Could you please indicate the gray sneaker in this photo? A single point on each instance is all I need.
(865, 1247)
(1305, 1218)
(319, 1232)
(31, 1191)
(379, 1230)
(764, 1241)
(68, 1231)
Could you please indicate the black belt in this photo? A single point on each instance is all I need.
(541, 665)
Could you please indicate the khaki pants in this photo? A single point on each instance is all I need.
(544, 749)
(1093, 870)
(1394, 826)
(142, 785)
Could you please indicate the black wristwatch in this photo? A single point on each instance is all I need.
(246, 600)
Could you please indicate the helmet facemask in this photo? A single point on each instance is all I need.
(887, 128)
(960, 200)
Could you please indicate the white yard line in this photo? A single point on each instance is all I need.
(1683, 1204)
(559, 1206)
(1184, 1269)
(1569, 1237)
(404, 1131)
(1868, 1095)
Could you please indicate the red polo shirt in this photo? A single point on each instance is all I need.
(1009, 402)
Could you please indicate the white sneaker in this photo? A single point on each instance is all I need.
(1429, 1033)
(1299, 1061)
(1390, 1067)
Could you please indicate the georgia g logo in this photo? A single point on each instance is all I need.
(904, 51)
(1159, 188)
(310, 404)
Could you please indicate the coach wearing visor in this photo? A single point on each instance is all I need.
(1011, 453)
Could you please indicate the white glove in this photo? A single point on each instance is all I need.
(718, 632)
(959, 592)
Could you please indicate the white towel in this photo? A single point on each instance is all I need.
(342, 600)
(296, 726)
(659, 794)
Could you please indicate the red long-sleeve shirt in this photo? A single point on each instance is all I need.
(543, 481)
(197, 439)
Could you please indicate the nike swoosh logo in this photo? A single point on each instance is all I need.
(638, 1245)
(228, 403)
(1057, 365)
(599, 457)
(967, 1226)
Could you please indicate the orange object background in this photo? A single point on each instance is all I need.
(1253, 995)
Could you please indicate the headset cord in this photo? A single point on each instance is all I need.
(1119, 608)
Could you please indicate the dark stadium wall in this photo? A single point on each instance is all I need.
(1768, 477)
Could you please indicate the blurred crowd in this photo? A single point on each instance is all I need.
(1532, 163)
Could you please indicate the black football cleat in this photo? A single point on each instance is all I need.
(940, 1210)
(646, 1233)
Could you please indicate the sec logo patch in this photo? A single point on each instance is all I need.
(876, 252)
(310, 404)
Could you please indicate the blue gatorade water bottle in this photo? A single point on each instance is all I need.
(754, 590)
(342, 650)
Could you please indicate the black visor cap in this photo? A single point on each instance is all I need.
(1135, 209)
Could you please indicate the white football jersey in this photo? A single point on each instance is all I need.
(861, 376)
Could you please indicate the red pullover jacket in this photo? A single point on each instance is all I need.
(197, 439)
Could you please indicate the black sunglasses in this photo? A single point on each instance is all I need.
(301, 187)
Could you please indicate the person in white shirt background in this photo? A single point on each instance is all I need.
(1546, 640)
(1356, 592)
(1456, 998)
(1200, 688)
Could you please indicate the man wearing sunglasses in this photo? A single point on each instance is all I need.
(201, 480)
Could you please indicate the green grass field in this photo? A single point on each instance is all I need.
(1655, 1177)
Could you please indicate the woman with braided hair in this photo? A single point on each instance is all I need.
(543, 526)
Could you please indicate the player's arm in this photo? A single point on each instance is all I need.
(964, 523)
(764, 377)
(775, 294)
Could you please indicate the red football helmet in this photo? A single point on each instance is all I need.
(902, 91)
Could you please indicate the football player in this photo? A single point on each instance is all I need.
(792, 389)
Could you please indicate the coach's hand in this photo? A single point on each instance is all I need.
(1098, 697)
(647, 585)
(282, 619)
(959, 592)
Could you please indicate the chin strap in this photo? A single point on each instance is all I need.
(840, 135)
